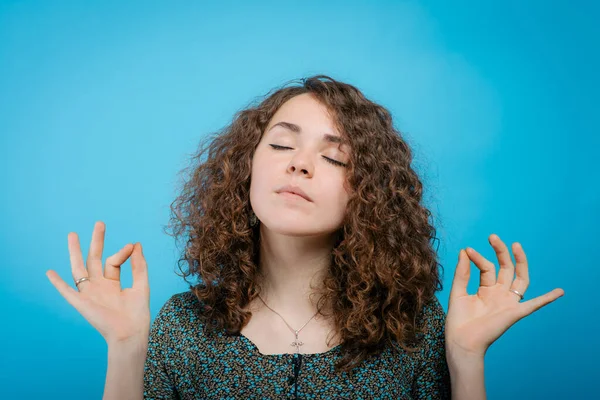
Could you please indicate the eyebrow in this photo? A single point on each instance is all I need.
(296, 129)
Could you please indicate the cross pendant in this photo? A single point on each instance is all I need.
(297, 343)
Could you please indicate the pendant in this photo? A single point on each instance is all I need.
(297, 343)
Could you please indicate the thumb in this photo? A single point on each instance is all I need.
(529, 307)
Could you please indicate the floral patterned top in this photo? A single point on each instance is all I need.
(184, 363)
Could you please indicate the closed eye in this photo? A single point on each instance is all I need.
(329, 160)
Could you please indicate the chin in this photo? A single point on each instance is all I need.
(296, 228)
(293, 230)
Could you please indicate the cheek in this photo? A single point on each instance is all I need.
(338, 196)
(260, 179)
(342, 201)
(262, 161)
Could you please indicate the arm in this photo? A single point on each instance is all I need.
(444, 372)
(120, 315)
(475, 321)
(467, 377)
(137, 369)
(125, 372)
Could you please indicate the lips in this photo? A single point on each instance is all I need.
(295, 190)
(292, 196)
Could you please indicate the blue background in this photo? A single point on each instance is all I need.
(101, 103)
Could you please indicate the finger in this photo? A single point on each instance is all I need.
(94, 260)
(112, 269)
(487, 268)
(461, 276)
(139, 268)
(77, 267)
(70, 294)
(521, 282)
(535, 304)
(506, 274)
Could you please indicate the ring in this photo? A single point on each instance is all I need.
(78, 281)
(517, 293)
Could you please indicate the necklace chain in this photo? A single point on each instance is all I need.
(296, 343)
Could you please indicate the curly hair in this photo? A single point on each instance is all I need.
(383, 268)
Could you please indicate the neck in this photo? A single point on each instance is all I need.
(292, 267)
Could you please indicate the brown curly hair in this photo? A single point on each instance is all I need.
(383, 268)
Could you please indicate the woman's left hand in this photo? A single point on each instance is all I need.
(474, 322)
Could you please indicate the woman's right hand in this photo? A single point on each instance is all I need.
(120, 315)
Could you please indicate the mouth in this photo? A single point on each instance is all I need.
(292, 196)
(293, 192)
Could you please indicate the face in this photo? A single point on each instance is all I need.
(294, 150)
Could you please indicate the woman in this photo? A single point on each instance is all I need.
(316, 273)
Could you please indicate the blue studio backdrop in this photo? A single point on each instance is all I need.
(102, 102)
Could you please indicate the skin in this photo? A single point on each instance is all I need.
(475, 321)
(296, 240)
(297, 235)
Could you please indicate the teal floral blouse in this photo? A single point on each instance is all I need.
(183, 363)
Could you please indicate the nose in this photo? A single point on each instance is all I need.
(301, 164)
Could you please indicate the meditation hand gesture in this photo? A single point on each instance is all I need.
(120, 315)
(474, 322)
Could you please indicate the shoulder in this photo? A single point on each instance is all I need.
(432, 315)
(431, 322)
(183, 301)
(183, 306)
(432, 373)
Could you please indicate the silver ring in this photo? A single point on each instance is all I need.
(78, 281)
(517, 293)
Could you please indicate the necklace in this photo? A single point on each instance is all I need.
(296, 343)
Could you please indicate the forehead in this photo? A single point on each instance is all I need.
(303, 115)
(304, 105)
